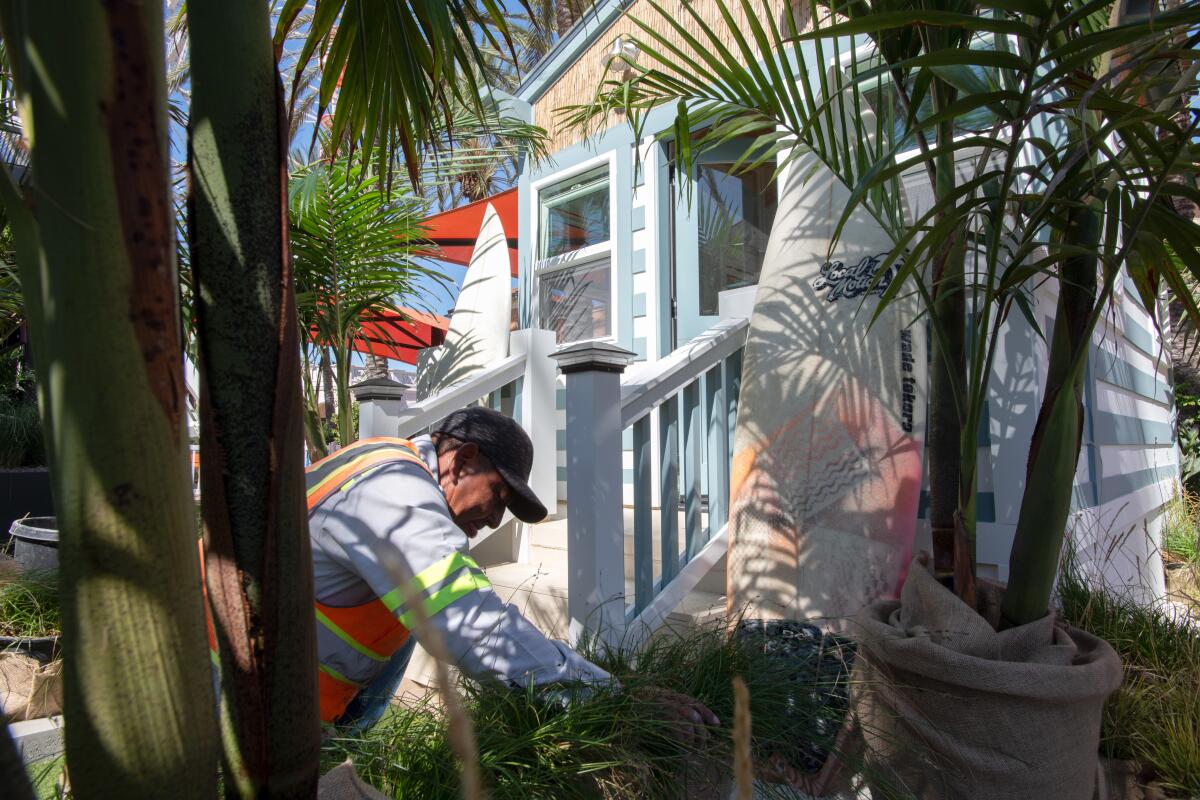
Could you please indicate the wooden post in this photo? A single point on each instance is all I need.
(595, 520)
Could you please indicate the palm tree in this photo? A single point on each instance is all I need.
(1100, 191)
(129, 577)
(485, 155)
(567, 13)
(138, 695)
(354, 252)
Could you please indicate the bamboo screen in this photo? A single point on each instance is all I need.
(581, 80)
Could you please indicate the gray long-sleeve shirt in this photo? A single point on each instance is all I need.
(393, 524)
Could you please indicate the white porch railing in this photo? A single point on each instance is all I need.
(694, 394)
(494, 387)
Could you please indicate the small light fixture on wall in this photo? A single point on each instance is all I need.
(622, 55)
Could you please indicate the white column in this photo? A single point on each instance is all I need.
(595, 525)
(536, 412)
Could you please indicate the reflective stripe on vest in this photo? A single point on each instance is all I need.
(372, 632)
(339, 471)
(438, 585)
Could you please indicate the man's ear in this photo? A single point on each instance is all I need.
(466, 453)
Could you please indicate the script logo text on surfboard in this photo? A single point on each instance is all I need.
(849, 282)
(908, 384)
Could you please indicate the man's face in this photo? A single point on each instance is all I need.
(475, 492)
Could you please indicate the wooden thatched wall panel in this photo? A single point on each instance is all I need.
(579, 83)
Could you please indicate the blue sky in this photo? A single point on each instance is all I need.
(432, 296)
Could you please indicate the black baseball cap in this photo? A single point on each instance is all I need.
(507, 446)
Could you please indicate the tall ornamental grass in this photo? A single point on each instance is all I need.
(1154, 718)
(616, 743)
(29, 605)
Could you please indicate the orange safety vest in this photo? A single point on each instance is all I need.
(371, 628)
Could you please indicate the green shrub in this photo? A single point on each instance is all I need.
(1154, 718)
(1189, 440)
(1181, 528)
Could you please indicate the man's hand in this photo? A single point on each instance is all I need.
(688, 717)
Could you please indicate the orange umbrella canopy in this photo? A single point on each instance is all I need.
(456, 230)
(398, 336)
(391, 335)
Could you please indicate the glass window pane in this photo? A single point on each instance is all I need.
(574, 302)
(735, 213)
(575, 213)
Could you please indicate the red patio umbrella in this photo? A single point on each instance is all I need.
(398, 336)
(456, 230)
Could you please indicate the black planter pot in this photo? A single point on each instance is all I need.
(24, 491)
(35, 543)
(820, 665)
(44, 648)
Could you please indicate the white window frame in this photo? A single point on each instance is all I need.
(585, 255)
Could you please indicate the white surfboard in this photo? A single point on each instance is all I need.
(479, 325)
(828, 447)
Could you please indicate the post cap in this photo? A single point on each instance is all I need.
(378, 389)
(593, 356)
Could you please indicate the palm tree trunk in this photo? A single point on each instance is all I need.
(257, 548)
(566, 12)
(326, 369)
(345, 413)
(1057, 435)
(377, 367)
(96, 253)
(947, 397)
(314, 431)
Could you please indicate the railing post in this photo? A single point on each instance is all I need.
(380, 401)
(535, 410)
(718, 449)
(595, 518)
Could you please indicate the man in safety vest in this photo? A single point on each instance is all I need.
(389, 521)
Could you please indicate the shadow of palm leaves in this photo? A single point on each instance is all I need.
(826, 481)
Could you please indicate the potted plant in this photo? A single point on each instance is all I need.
(1054, 143)
(30, 625)
(24, 480)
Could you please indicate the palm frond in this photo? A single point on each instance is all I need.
(395, 68)
(1055, 136)
(355, 250)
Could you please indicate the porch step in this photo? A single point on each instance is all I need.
(539, 589)
(550, 537)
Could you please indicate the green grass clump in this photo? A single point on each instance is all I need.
(1154, 718)
(29, 605)
(46, 776)
(1181, 529)
(608, 744)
